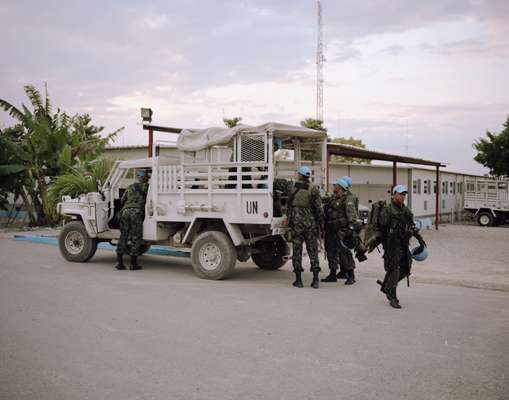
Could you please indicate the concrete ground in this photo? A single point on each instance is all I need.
(87, 331)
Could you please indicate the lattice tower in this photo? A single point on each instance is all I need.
(319, 65)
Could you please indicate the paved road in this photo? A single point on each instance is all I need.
(86, 331)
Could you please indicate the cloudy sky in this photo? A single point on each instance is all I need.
(423, 78)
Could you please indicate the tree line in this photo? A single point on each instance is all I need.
(46, 154)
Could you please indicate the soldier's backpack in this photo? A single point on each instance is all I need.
(373, 225)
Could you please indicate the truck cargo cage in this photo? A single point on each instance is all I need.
(488, 200)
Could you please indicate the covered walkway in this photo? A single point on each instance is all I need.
(357, 152)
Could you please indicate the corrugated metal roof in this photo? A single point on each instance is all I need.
(352, 151)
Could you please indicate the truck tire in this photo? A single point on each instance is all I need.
(213, 255)
(485, 218)
(75, 244)
(270, 253)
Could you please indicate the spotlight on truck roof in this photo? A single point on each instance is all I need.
(146, 114)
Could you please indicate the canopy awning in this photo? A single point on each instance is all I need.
(357, 152)
(199, 139)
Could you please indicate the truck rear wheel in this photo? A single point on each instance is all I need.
(485, 218)
(269, 254)
(75, 244)
(213, 255)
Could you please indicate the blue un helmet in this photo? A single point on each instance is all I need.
(400, 189)
(348, 180)
(341, 182)
(419, 253)
(304, 171)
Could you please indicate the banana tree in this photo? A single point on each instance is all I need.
(48, 144)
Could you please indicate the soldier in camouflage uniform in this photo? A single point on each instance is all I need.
(396, 227)
(131, 221)
(353, 238)
(305, 222)
(340, 213)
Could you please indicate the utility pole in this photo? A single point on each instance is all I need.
(319, 65)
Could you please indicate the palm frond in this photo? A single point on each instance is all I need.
(47, 104)
(101, 168)
(11, 110)
(113, 135)
(10, 169)
(14, 151)
(72, 184)
(35, 98)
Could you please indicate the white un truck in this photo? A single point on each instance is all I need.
(488, 200)
(210, 194)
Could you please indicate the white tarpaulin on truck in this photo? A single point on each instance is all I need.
(199, 139)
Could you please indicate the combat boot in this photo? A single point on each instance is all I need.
(394, 303)
(120, 262)
(350, 278)
(331, 277)
(393, 299)
(134, 264)
(315, 284)
(298, 280)
(341, 274)
(361, 256)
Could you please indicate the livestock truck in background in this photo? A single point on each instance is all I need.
(487, 200)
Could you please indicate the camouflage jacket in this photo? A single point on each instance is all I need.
(135, 196)
(396, 227)
(305, 211)
(340, 212)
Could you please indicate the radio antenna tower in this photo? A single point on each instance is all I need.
(319, 65)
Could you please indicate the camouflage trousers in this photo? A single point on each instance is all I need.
(332, 249)
(397, 265)
(311, 240)
(131, 231)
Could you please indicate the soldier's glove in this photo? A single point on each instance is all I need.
(372, 244)
(422, 243)
(361, 256)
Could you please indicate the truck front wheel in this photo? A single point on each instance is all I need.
(269, 254)
(75, 244)
(213, 255)
(485, 218)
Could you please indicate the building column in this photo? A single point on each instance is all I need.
(150, 142)
(394, 174)
(437, 199)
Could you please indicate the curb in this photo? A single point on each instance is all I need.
(53, 241)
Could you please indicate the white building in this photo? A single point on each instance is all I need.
(374, 182)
